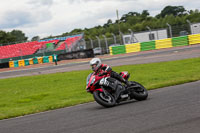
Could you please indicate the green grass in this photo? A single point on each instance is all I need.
(32, 94)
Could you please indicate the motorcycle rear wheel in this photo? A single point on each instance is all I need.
(139, 92)
(103, 99)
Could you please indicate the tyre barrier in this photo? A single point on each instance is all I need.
(31, 61)
(156, 44)
(194, 39)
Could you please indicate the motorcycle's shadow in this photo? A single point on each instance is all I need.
(123, 103)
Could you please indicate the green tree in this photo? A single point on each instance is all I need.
(169, 19)
(125, 17)
(194, 16)
(137, 27)
(175, 10)
(19, 35)
(35, 38)
(6, 38)
(109, 22)
(3, 36)
(144, 14)
(76, 31)
(133, 20)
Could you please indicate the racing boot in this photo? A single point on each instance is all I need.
(126, 82)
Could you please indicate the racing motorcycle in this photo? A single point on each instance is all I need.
(108, 91)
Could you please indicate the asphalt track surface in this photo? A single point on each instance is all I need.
(173, 109)
(175, 53)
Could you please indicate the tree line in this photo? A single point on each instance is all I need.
(15, 36)
(173, 15)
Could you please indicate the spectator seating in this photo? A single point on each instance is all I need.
(69, 42)
(22, 49)
(29, 48)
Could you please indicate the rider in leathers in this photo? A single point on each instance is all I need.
(103, 69)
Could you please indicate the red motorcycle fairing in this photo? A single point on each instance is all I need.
(125, 75)
(100, 89)
(92, 80)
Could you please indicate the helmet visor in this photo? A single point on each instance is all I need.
(94, 67)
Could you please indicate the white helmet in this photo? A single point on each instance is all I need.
(97, 62)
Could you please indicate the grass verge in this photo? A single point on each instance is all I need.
(31, 94)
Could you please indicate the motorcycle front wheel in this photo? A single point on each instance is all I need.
(106, 100)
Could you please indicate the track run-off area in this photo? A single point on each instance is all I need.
(174, 109)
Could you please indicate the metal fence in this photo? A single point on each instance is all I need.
(172, 31)
(104, 42)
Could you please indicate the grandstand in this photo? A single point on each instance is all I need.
(34, 50)
(21, 49)
(69, 43)
(29, 48)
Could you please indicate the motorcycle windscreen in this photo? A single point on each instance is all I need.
(88, 78)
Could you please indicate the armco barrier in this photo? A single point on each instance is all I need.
(135, 47)
(147, 46)
(194, 39)
(180, 41)
(164, 43)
